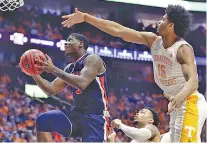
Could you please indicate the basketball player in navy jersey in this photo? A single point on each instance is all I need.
(89, 118)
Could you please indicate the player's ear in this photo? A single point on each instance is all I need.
(81, 44)
(151, 121)
(171, 25)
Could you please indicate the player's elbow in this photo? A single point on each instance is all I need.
(195, 83)
(124, 35)
(115, 32)
(83, 85)
(50, 93)
(121, 33)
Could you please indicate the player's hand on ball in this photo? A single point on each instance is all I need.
(46, 65)
(116, 123)
(71, 19)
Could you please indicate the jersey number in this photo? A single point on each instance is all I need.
(161, 70)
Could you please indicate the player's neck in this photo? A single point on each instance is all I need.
(141, 125)
(78, 55)
(169, 40)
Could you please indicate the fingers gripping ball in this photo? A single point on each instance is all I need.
(28, 62)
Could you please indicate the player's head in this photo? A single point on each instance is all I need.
(76, 43)
(147, 116)
(176, 21)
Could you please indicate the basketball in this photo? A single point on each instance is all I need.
(27, 62)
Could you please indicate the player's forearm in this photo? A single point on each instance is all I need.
(45, 85)
(190, 86)
(73, 80)
(142, 134)
(107, 26)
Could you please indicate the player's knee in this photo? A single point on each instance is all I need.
(42, 122)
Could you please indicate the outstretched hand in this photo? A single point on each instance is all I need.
(71, 19)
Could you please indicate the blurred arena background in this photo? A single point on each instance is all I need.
(131, 85)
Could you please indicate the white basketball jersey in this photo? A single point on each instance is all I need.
(167, 71)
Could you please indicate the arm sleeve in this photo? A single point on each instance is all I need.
(142, 134)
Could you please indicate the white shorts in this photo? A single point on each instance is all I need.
(186, 122)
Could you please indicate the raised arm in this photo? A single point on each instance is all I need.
(110, 27)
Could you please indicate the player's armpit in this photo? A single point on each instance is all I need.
(153, 129)
(130, 35)
(186, 58)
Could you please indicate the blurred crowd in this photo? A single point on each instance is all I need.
(129, 90)
(19, 111)
(46, 24)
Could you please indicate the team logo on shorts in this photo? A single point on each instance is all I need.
(190, 130)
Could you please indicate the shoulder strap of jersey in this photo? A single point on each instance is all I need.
(69, 68)
(179, 44)
(159, 38)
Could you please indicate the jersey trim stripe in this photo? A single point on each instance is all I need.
(103, 86)
(106, 127)
(100, 82)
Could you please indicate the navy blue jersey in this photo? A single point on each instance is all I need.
(95, 97)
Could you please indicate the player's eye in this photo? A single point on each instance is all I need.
(67, 43)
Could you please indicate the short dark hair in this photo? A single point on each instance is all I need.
(82, 38)
(181, 18)
(155, 116)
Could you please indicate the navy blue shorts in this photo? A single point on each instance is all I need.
(91, 127)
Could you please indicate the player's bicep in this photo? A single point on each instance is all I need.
(185, 57)
(130, 35)
(92, 64)
(58, 85)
